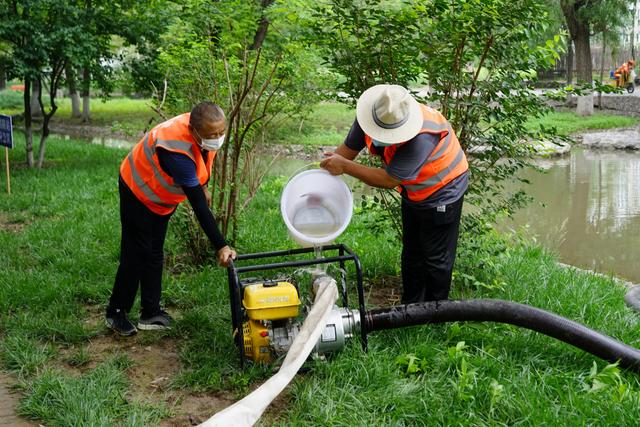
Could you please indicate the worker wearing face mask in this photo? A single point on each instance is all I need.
(423, 159)
(171, 163)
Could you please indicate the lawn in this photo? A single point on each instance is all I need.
(567, 122)
(124, 116)
(59, 231)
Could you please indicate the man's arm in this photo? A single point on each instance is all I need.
(183, 171)
(198, 201)
(337, 164)
(346, 152)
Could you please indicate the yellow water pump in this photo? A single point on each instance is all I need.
(267, 313)
(271, 308)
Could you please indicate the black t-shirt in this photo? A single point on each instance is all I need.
(407, 162)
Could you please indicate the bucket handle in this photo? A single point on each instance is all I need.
(305, 167)
(314, 165)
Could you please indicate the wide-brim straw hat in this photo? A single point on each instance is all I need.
(389, 114)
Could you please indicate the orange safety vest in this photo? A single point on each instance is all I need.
(624, 68)
(141, 169)
(446, 162)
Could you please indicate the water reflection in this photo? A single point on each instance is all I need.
(587, 207)
(113, 143)
(105, 142)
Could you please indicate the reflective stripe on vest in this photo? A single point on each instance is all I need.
(446, 162)
(142, 173)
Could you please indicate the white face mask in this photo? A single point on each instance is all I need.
(213, 144)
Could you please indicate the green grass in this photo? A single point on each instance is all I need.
(326, 125)
(59, 230)
(10, 100)
(484, 374)
(123, 115)
(569, 122)
(98, 398)
(119, 114)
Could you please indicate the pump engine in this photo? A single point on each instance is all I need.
(267, 314)
(272, 321)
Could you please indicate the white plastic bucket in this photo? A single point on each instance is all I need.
(316, 207)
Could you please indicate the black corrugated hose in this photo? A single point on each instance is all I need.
(491, 310)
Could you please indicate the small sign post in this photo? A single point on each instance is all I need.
(6, 140)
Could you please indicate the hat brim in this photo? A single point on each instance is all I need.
(364, 114)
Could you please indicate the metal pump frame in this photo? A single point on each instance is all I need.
(235, 286)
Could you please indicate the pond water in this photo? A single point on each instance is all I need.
(105, 142)
(587, 209)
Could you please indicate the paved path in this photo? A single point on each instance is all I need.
(8, 403)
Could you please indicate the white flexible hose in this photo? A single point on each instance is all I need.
(247, 411)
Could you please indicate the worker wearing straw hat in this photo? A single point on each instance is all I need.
(423, 159)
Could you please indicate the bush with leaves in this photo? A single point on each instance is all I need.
(471, 58)
(246, 57)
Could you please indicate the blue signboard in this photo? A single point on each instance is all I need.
(6, 131)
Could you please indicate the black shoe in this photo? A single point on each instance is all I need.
(159, 321)
(118, 322)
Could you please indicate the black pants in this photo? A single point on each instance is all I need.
(429, 242)
(141, 255)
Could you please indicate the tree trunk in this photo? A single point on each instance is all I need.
(633, 30)
(579, 27)
(261, 32)
(73, 92)
(43, 141)
(569, 60)
(36, 111)
(604, 51)
(584, 69)
(47, 118)
(28, 133)
(86, 91)
(3, 78)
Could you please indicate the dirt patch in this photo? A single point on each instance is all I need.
(384, 291)
(195, 409)
(8, 402)
(9, 225)
(48, 164)
(156, 361)
(278, 407)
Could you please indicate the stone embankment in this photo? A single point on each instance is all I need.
(626, 104)
(620, 139)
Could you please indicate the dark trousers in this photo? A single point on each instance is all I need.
(141, 255)
(429, 242)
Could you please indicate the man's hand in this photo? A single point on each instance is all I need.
(225, 255)
(207, 195)
(334, 163)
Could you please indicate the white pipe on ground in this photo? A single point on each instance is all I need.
(247, 412)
